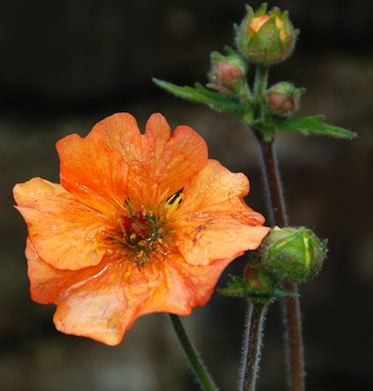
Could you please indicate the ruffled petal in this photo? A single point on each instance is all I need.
(62, 229)
(184, 286)
(213, 222)
(122, 133)
(104, 307)
(172, 162)
(48, 284)
(100, 302)
(94, 172)
(157, 162)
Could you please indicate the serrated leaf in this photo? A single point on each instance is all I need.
(200, 94)
(314, 125)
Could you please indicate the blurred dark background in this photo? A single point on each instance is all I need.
(65, 65)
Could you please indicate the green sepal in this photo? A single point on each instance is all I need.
(251, 13)
(200, 94)
(267, 45)
(238, 287)
(313, 125)
(262, 10)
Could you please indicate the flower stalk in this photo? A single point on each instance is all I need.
(277, 209)
(272, 181)
(261, 80)
(253, 343)
(291, 305)
(260, 86)
(201, 373)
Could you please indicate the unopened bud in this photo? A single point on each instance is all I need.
(284, 99)
(259, 280)
(293, 254)
(227, 72)
(266, 38)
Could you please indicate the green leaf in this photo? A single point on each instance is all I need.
(200, 94)
(313, 125)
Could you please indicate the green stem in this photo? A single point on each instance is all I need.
(260, 86)
(194, 360)
(261, 79)
(254, 334)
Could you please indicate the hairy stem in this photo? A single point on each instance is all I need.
(253, 342)
(260, 85)
(261, 79)
(276, 202)
(193, 358)
(290, 305)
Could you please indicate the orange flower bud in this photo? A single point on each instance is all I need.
(227, 73)
(266, 37)
(284, 99)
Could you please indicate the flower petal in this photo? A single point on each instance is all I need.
(184, 286)
(213, 221)
(61, 228)
(171, 162)
(48, 284)
(105, 306)
(157, 161)
(95, 173)
(121, 132)
(99, 302)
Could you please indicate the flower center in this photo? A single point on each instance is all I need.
(143, 234)
(139, 230)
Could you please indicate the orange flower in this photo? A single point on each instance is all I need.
(139, 224)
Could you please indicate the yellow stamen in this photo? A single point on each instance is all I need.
(173, 204)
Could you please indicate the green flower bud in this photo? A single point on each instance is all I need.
(284, 99)
(266, 38)
(293, 254)
(227, 73)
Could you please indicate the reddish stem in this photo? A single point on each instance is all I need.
(291, 305)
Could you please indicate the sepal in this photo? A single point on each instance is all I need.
(239, 287)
